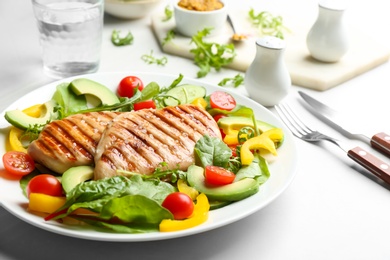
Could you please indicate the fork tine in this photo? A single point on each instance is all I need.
(296, 126)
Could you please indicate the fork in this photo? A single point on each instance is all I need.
(359, 155)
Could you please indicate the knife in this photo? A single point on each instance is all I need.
(379, 141)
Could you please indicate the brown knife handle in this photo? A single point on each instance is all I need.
(371, 163)
(381, 142)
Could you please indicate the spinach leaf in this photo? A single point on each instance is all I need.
(212, 151)
(150, 90)
(135, 209)
(118, 228)
(68, 102)
(94, 195)
(258, 170)
(129, 214)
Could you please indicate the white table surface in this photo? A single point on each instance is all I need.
(333, 209)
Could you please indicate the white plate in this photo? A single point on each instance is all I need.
(282, 170)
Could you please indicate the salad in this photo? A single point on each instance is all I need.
(226, 170)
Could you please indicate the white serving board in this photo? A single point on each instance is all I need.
(364, 53)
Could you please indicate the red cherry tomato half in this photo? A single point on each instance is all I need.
(218, 116)
(18, 163)
(46, 184)
(144, 104)
(215, 175)
(179, 204)
(222, 100)
(128, 86)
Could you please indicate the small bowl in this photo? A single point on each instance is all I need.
(130, 9)
(189, 22)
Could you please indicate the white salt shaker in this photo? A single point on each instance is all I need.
(327, 39)
(267, 79)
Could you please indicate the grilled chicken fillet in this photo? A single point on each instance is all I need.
(71, 141)
(139, 141)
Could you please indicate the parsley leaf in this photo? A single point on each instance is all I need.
(117, 40)
(267, 23)
(236, 81)
(168, 13)
(169, 37)
(150, 59)
(209, 55)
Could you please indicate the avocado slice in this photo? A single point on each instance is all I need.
(83, 86)
(229, 123)
(230, 192)
(75, 175)
(23, 121)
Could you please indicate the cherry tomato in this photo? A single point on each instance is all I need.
(179, 204)
(128, 86)
(215, 175)
(222, 100)
(222, 134)
(46, 184)
(218, 116)
(144, 104)
(18, 163)
(234, 150)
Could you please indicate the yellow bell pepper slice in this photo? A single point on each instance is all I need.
(231, 138)
(199, 216)
(182, 186)
(266, 141)
(15, 144)
(45, 203)
(201, 102)
(34, 111)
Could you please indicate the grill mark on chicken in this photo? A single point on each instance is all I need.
(139, 141)
(162, 144)
(71, 141)
(136, 141)
(172, 135)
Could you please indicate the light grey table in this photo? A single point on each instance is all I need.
(332, 210)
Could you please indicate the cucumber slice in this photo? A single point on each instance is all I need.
(184, 94)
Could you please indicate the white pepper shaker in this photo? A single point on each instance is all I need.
(327, 39)
(267, 79)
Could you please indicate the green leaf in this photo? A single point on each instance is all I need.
(150, 59)
(168, 13)
(258, 170)
(118, 228)
(117, 40)
(135, 209)
(94, 195)
(268, 24)
(209, 55)
(212, 151)
(69, 102)
(236, 81)
(150, 90)
(171, 34)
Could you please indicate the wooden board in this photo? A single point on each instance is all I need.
(364, 53)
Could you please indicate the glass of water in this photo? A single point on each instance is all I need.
(70, 35)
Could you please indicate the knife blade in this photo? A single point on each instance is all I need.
(379, 141)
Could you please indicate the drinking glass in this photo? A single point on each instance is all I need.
(70, 35)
